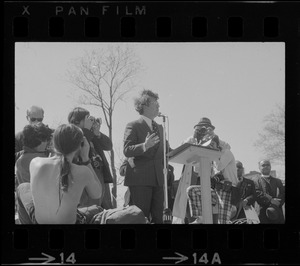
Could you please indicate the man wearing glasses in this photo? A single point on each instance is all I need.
(34, 115)
(224, 175)
(270, 195)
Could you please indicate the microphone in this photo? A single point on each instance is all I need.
(161, 115)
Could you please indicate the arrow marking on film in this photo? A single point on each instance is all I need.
(180, 259)
(47, 260)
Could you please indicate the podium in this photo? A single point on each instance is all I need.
(190, 153)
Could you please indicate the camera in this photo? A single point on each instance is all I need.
(96, 121)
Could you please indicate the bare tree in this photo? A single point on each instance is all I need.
(105, 77)
(271, 140)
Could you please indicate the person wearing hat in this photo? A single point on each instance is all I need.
(204, 135)
(247, 192)
(270, 195)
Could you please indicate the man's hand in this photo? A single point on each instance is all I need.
(151, 140)
(88, 122)
(131, 162)
(275, 201)
(244, 203)
(96, 127)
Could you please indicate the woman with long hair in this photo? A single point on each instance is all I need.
(56, 183)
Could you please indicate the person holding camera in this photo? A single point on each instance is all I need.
(99, 143)
(56, 183)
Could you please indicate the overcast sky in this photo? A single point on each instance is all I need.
(234, 84)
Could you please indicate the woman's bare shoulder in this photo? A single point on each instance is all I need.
(80, 171)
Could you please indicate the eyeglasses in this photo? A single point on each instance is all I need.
(33, 119)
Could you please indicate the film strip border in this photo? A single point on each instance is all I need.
(157, 244)
(140, 21)
(159, 22)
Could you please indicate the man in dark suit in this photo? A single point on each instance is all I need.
(143, 140)
(270, 195)
(247, 192)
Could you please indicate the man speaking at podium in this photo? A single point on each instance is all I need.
(143, 140)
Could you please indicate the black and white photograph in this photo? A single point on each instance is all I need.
(149, 133)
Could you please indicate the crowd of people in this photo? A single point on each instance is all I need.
(62, 175)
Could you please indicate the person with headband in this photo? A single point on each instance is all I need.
(56, 183)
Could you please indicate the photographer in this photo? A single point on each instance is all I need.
(98, 144)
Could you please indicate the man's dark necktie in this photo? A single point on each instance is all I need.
(156, 131)
(155, 128)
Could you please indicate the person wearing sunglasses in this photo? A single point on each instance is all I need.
(224, 189)
(35, 114)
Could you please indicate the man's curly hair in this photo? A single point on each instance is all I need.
(144, 99)
(35, 134)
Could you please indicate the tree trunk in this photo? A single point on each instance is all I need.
(113, 169)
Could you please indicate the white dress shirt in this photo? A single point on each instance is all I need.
(148, 121)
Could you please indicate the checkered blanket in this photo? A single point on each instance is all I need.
(221, 199)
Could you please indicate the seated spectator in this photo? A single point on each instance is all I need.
(34, 115)
(247, 193)
(35, 138)
(56, 184)
(270, 195)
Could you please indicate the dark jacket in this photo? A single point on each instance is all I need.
(266, 191)
(101, 144)
(247, 191)
(148, 169)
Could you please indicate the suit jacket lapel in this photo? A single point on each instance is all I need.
(144, 125)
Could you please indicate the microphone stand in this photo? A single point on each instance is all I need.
(167, 213)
